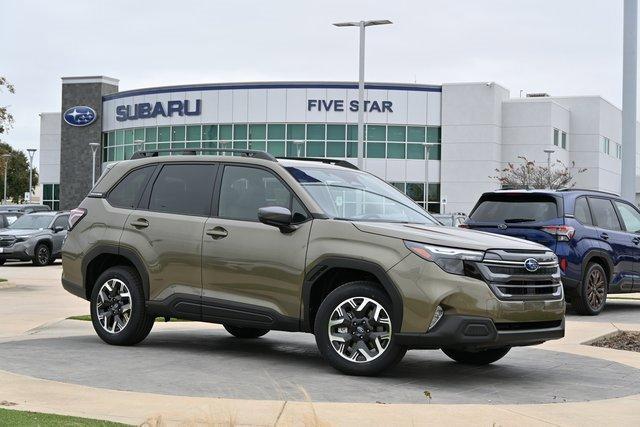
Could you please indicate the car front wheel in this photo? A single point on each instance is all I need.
(354, 330)
(41, 255)
(118, 307)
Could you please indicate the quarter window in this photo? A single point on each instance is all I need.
(630, 217)
(581, 211)
(183, 189)
(244, 190)
(127, 192)
(604, 214)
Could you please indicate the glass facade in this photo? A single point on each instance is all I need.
(415, 190)
(279, 139)
(51, 196)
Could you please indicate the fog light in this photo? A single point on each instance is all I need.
(436, 317)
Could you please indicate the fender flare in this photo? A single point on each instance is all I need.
(326, 264)
(600, 253)
(127, 253)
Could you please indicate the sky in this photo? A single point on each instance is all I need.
(562, 47)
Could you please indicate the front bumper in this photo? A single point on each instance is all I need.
(474, 332)
(18, 251)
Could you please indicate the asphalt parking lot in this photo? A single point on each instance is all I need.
(197, 359)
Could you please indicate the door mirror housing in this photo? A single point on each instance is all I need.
(58, 228)
(277, 216)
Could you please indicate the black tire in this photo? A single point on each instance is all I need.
(2, 261)
(41, 255)
(245, 333)
(139, 323)
(592, 295)
(392, 353)
(478, 358)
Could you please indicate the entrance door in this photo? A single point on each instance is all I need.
(252, 273)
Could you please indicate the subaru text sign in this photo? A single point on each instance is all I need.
(146, 110)
(342, 105)
(80, 116)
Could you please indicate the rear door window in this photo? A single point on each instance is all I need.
(183, 189)
(513, 208)
(128, 191)
(604, 214)
(630, 217)
(581, 211)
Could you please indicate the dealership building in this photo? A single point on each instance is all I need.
(465, 130)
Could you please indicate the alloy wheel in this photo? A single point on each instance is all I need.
(596, 289)
(43, 255)
(360, 329)
(113, 306)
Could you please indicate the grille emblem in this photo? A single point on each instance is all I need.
(502, 226)
(531, 265)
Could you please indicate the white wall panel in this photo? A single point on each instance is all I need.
(296, 105)
(240, 99)
(209, 106)
(257, 108)
(399, 99)
(434, 108)
(225, 106)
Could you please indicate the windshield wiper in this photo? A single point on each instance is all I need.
(512, 220)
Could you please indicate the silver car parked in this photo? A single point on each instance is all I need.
(36, 237)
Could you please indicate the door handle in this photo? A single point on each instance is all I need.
(140, 223)
(604, 236)
(217, 233)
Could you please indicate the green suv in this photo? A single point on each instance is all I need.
(257, 243)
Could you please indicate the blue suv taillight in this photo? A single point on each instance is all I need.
(563, 233)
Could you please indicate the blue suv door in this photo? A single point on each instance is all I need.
(630, 217)
(615, 240)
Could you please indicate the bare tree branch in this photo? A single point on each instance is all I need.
(528, 174)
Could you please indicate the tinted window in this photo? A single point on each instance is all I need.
(128, 190)
(512, 208)
(183, 189)
(581, 211)
(604, 214)
(630, 217)
(244, 190)
(299, 213)
(62, 221)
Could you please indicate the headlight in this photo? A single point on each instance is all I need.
(22, 238)
(450, 260)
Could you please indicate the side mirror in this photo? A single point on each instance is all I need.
(58, 228)
(277, 216)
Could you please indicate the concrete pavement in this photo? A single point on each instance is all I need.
(35, 326)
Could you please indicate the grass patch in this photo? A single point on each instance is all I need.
(87, 318)
(623, 340)
(11, 417)
(2, 280)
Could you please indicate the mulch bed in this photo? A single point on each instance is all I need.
(624, 340)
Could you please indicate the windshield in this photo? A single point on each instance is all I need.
(357, 196)
(32, 222)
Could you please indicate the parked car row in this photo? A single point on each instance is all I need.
(31, 233)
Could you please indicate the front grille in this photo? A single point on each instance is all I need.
(523, 326)
(512, 275)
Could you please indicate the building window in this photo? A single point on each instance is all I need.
(564, 140)
(51, 196)
(293, 139)
(605, 145)
(556, 137)
(415, 191)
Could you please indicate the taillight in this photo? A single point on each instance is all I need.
(463, 225)
(75, 216)
(563, 233)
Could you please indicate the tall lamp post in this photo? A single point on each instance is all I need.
(6, 158)
(31, 152)
(94, 149)
(362, 25)
(549, 152)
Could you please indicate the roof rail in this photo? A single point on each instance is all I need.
(586, 189)
(337, 162)
(193, 151)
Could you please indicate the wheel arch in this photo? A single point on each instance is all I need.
(108, 256)
(324, 269)
(601, 257)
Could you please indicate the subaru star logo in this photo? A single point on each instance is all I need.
(80, 116)
(531, 265)
(502, 226)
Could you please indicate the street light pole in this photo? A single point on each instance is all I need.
(361, 25)
(549, 152)
(94, 148)
(629, 96)
(31, 152)
(6, 158)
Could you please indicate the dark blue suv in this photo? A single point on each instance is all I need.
(594, 234)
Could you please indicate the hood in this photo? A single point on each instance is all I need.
(18, 232)
(448, 236)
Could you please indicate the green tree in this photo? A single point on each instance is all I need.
(17, 174)
(6, 119)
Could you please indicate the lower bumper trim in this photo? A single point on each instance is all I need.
(73, 288)
(472, 332)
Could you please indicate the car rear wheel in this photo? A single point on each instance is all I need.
(246, 333)
(41, 255)
(481, 357)
(118, 309)
(593, 292)
(354, 330)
